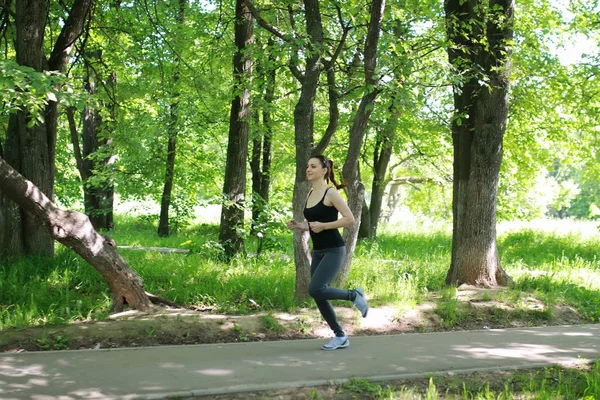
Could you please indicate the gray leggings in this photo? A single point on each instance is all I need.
(324, 267)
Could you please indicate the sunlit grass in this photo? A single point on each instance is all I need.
(402, 269)
(552, 383)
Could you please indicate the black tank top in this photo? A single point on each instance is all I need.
(327, 238)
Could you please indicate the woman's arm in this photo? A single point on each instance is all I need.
(347, 219)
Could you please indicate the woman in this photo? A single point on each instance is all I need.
(321, 213)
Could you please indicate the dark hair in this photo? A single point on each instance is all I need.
(328, 163)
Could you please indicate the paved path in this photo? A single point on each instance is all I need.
(155, 372)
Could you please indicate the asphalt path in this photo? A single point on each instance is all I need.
(193, 370)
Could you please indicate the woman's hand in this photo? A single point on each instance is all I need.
(293, 224)
(317, 226)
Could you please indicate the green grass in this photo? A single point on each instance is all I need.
(399, 268)
(552, 383)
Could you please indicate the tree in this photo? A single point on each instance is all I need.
(172, 130)
(74, 230)
(355, 188)
(382, 155)
(308, 48)
(263, 134)
(234, 188)
(31, 148)
(403, 120)
(480, 35)
(94, 155)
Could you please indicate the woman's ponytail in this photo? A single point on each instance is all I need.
(330, 177)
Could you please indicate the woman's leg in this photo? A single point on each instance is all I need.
(324, 268)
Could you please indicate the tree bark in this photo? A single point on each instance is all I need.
(172, 130)
(31, 150)
(477, 132)
(27, 148)
(74, 230)
(355, 188)
(234, 189)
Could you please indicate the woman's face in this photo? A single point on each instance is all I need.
(315, 170)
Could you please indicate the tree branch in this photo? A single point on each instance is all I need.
(6, 8)
(264, 24)
(70, 32)
(75, 142)
(334, 114)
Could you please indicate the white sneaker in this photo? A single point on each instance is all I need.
(337, 343)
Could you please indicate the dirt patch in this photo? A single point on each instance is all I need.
(474, 309)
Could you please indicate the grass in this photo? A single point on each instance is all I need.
(552, 383)
(400, 269)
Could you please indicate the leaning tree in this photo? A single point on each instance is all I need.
(74, 230)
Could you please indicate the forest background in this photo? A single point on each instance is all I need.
(136, 61)
(185, 126)
(143, 96)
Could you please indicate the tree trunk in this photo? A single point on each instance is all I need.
(303, 121)
(165, 203)
(477, 132)
(96, 157)
(255, 169)
(303, 139)
(75, 231)
(27, 148)
(364, 229)
(381, 159)
(261, 146)
(356, 189)
(234, 189)
(172, 130)
(31, 150)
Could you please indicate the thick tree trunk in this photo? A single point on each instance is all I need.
(75, 231)
(356, 189)
(28, 149)
(478, 139)
(172, 130)
(31, 150)
(234, 189)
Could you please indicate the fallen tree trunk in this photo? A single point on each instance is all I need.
(74, 230)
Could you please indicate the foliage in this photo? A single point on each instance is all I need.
(547, 126)
(24, 89)
(553, 114)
